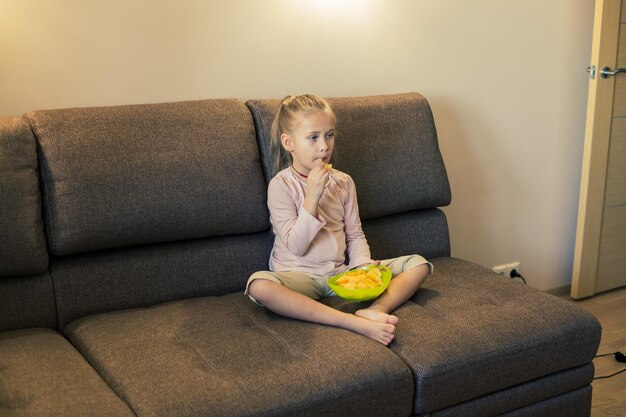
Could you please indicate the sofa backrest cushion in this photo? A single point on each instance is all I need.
(138, 174)
(424, 232)
(27, 301)
(22, 241)
(388, 144)
(142, 276)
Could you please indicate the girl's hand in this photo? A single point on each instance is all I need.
(316, 181)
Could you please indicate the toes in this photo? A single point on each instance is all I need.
(387, 339)
(389, 332)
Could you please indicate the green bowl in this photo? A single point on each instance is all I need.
(364, 294)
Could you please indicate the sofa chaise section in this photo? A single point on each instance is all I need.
(476, 344)
(470, 335)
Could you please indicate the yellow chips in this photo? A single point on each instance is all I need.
(360, 279)
(328, 166)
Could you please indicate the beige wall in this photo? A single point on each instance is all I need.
(506, 81)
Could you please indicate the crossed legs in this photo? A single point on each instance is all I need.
(375, 322)
(400, 289)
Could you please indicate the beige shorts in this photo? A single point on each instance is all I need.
(316, 287)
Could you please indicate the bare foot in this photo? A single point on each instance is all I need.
(377, 315)
(381, 332)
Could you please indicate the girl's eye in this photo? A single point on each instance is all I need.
(313, 137)
(331, 135)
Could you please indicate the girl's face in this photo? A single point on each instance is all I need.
(311, 141)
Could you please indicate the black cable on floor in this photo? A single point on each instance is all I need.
(619, 356)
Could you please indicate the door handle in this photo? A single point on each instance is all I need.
(606, 72)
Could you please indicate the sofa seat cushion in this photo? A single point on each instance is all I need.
(468, 332)
(225, 356)
(42, 374)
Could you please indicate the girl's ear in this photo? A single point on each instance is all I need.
(286, 141)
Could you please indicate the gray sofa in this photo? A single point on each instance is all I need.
(127, 234)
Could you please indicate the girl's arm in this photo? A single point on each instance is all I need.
(296, 228)
(358, 249)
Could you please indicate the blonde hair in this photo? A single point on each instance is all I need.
(290, 109)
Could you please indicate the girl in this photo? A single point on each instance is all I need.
(315, 218)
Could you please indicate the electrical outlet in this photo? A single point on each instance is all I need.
(505, 270)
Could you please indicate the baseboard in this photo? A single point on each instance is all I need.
(563, 291)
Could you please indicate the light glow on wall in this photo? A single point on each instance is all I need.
(338, 4)
(348, 8)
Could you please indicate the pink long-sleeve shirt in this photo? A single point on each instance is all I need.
(318, 245)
